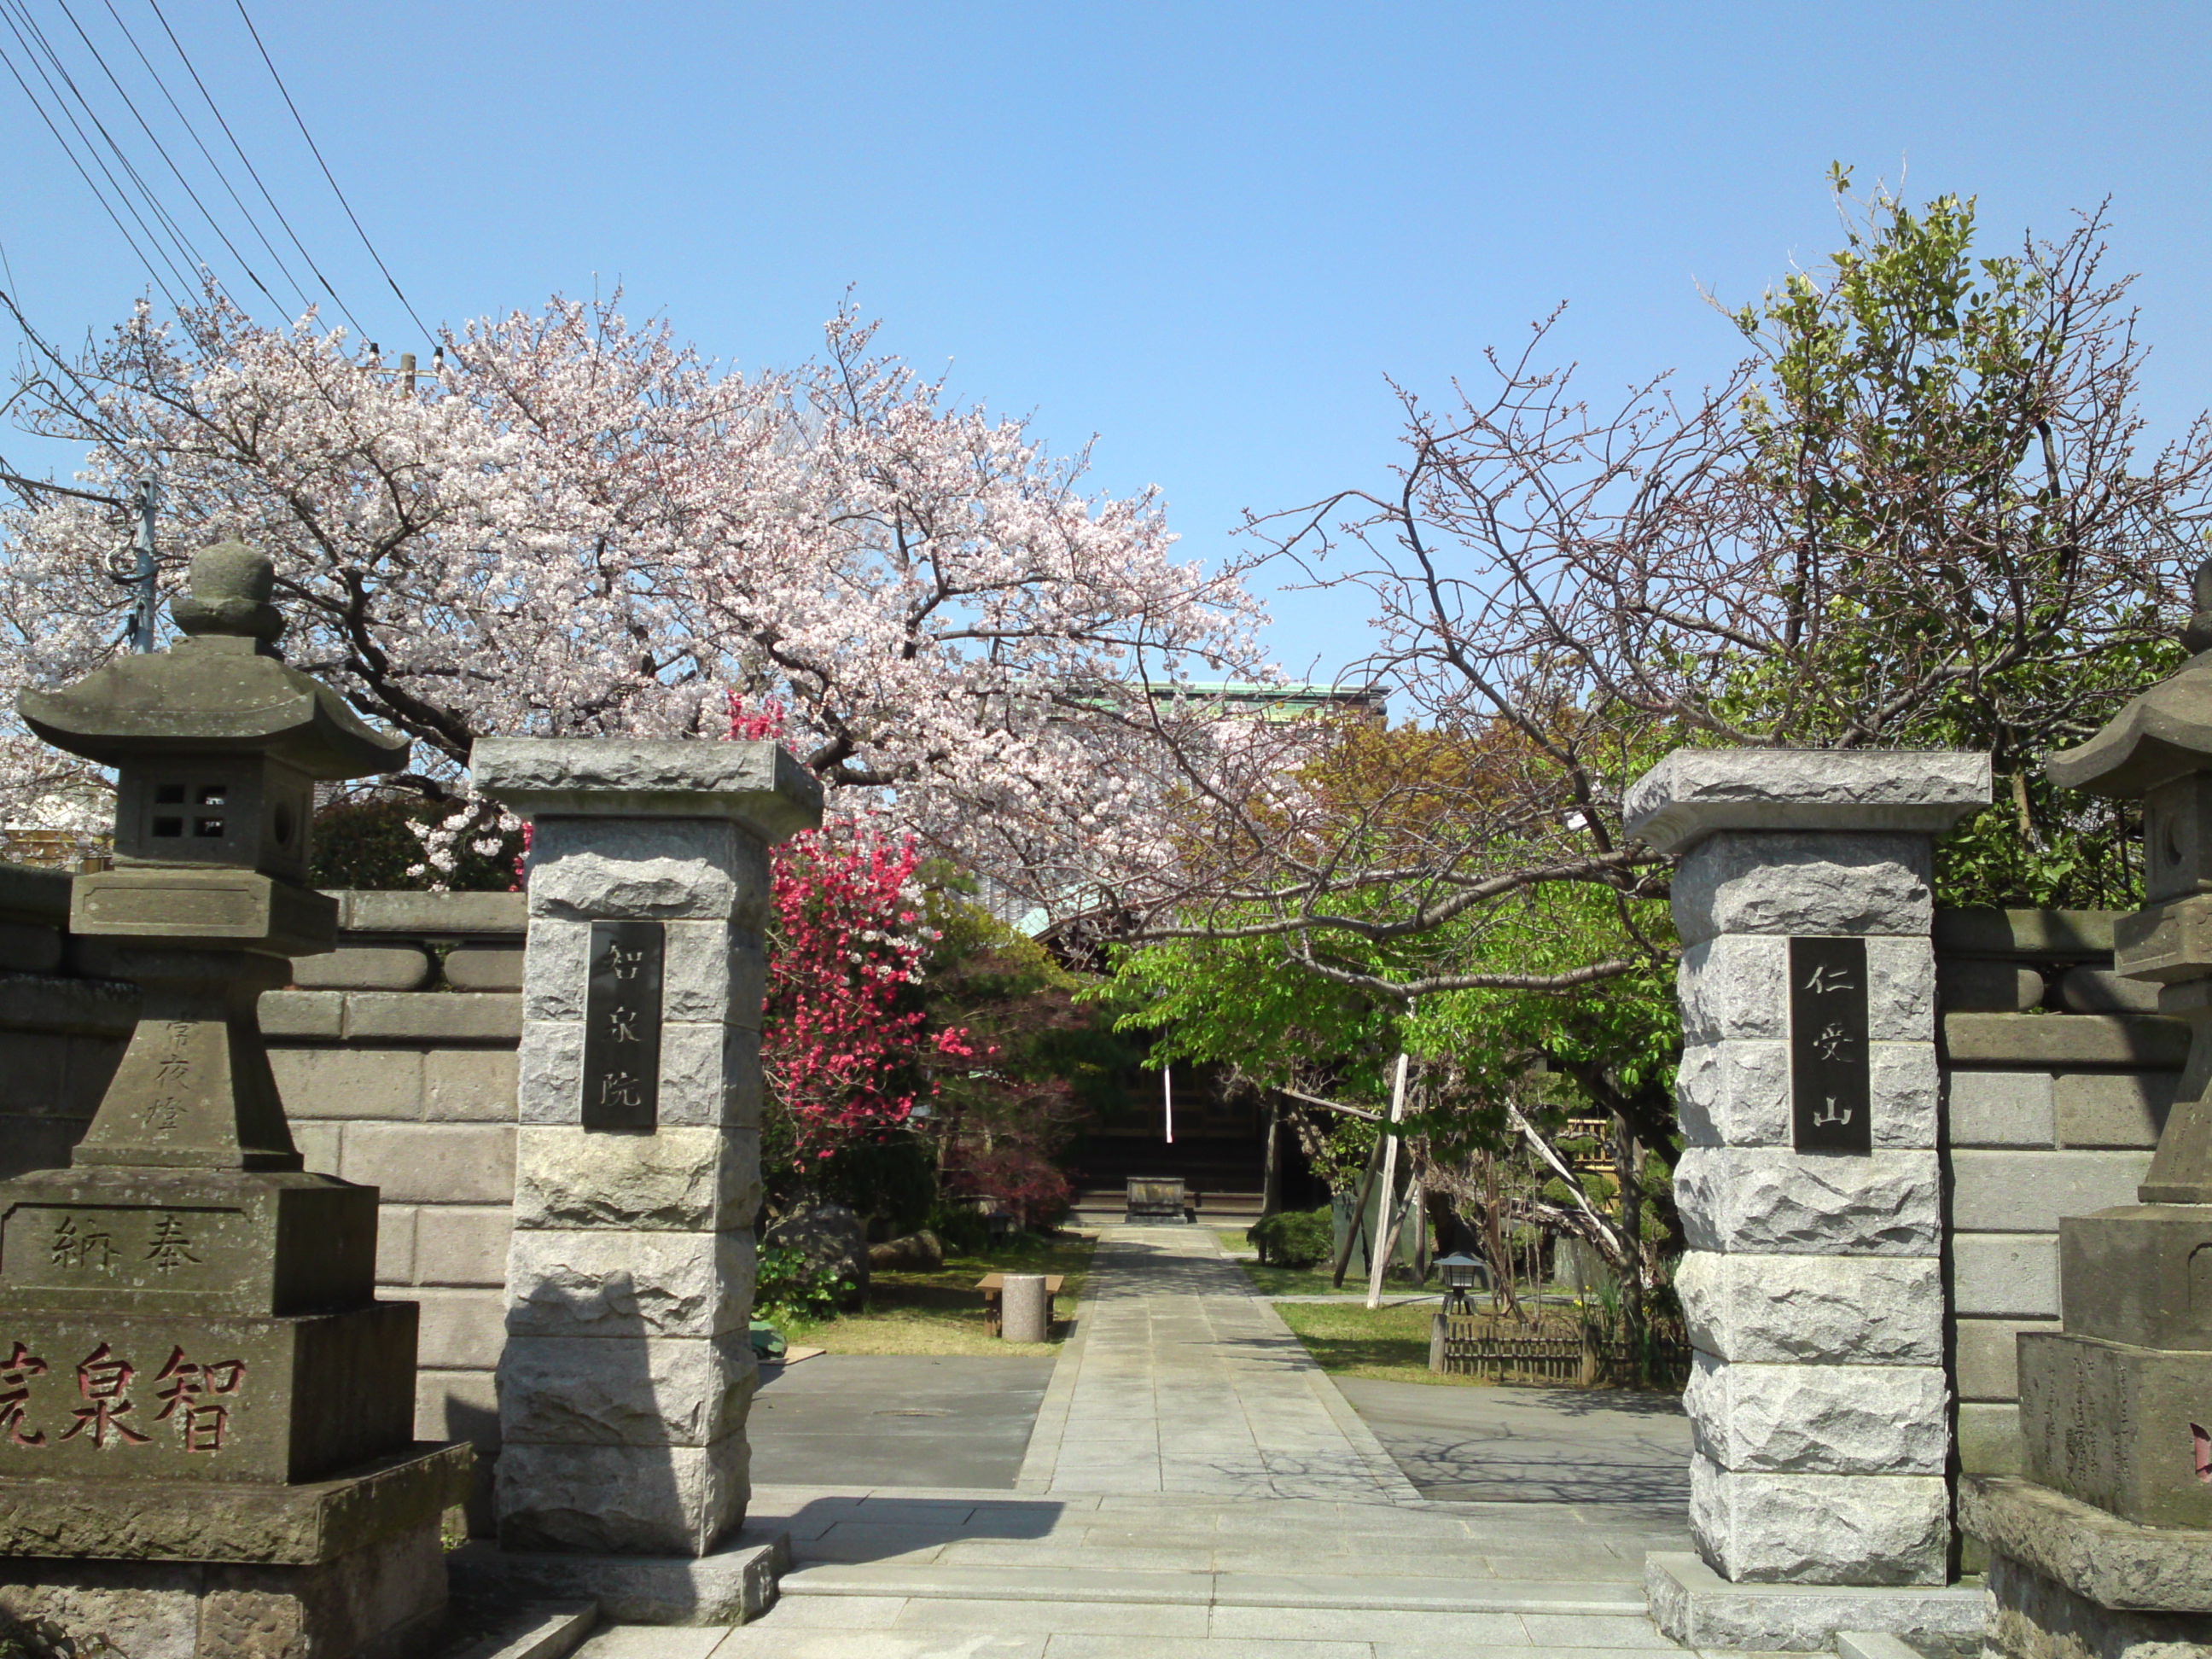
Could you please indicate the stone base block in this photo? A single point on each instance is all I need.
(1699, 1608)
(2094, 1556)
(382, 1602)
(622, 1391)
(2118, 1426)
(613, 1284)
(735, 1584)
(173, 1396)
(236, 1521)
(2032, 1617)
(1769, 1201)
(622, 1500)
(1737, 1093)
(2132, 1274)
(1819, 1419)
(677, 1179)
(1821, 1529)
(1794, 1310)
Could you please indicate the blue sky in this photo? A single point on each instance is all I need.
(1203, 232)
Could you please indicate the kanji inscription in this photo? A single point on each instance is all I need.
(1830, 1069)
(94, 1252)
(621, 1026)
(103, 1410)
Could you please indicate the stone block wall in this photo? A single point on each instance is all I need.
(2057, 1078)
(396, 1058)
(62, 1026)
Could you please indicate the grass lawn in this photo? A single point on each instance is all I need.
(1309, 1281)
(1390, 1343)
(942, 1312)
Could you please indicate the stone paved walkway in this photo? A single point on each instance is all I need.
(1181, 1380)
(1195, 1488)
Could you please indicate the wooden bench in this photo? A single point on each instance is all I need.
(993, 1284)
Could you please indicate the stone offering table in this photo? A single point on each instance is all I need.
(206, 1442)
(628, 1367)
(1809, 1191)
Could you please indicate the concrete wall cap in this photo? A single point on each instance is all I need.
(35, 896)
(1696, 792)
(430, 916)
(757, 784)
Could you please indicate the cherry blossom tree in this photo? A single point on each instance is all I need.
(576, 526)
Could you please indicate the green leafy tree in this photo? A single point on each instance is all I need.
(1922, 512)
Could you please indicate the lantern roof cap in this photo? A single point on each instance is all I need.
(223, 688)
(2164, 734)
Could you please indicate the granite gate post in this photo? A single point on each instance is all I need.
(627, 1367)
(1808, 1187)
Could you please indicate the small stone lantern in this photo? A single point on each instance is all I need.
(217, 745)
(1462, 1273)
(206, 1416)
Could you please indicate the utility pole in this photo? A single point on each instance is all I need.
(145, 498)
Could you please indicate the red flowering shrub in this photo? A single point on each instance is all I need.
(847, 1044)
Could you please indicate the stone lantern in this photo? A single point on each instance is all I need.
(206, 1417)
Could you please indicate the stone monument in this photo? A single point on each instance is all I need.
(629, 1366)
(2105, 1547)
(206, 1417)
(1810, 1193)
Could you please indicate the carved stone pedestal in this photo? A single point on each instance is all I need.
(2071, 1581)
(353, 1566)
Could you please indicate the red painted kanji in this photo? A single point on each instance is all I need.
(103, 1378)
(203, 1422)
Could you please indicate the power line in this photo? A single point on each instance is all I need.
(161, 149)
(253, 171)
(208, 156)
(75, 162)
(19, 10)
(326, 165)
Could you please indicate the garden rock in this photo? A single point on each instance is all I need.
(920, 1252)
(830, 1238)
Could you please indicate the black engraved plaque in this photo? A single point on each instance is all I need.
(1830, 1104)
(621, 1026)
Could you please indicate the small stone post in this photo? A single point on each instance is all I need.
(1024, 1310)
(1809, 1187)
(627, 1367)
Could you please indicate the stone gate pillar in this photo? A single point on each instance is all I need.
(1808, 1186)
(627, 1367)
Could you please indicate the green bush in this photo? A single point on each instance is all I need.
(368, 844)
(788, 1286)
(962, 1229)
(1294, 1238)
